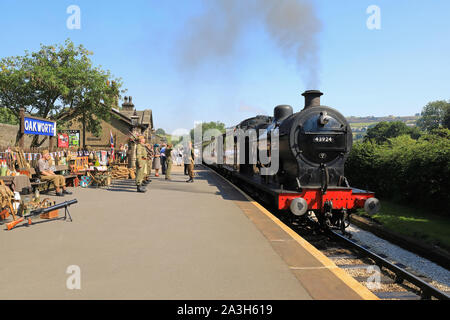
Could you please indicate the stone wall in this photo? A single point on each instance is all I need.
(8, 136)
(118, 128)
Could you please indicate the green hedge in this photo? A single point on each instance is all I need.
(404, 169)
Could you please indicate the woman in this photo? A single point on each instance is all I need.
(156, 159)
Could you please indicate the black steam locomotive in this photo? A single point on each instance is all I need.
(302, 167)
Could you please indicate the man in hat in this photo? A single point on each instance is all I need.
(48, 175)
(141, 162)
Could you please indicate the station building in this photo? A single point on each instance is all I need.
(123, 120)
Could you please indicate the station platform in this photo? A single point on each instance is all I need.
(201, 240)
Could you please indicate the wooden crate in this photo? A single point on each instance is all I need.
(50, 215)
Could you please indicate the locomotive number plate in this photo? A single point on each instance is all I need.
(323, 139)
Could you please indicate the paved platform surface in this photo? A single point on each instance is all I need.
(200, 240)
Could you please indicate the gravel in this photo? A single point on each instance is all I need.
(397, 254)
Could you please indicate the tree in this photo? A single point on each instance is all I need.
(59, 83)
(446, 122)
(160, 132)
(386, 130)
(8, 117)
(210, 125)
(434, 115)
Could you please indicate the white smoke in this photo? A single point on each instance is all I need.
(292, 24)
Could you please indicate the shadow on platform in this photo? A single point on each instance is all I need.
(226, 191)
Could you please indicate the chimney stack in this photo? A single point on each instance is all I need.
(312, 98)
(128, 104)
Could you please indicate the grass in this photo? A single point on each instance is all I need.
(414, 222)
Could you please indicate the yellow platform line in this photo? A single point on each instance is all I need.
(362, 291)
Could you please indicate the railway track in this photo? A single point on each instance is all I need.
(387, 280)
(424, 289)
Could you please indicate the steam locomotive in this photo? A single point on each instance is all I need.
(308, 150)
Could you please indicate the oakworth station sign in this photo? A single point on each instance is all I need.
(35, 126)
(39, 127)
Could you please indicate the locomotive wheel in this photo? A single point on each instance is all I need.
(346, 220)
(327, 220)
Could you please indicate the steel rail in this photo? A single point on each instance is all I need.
(427, 290)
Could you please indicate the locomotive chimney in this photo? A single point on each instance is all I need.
(312, 98)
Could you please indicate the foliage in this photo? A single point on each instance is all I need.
(59, 83)
(160, 132)
(434, 115)
(446, 121)
(208, 126)
(386, 130)
(8, 117)
(405, 169)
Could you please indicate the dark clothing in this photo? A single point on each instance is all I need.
(163, 164)
(163, 159)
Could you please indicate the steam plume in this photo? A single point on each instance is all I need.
(291, 24)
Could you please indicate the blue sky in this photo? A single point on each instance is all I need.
(395, 70)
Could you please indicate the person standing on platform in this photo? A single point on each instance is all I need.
(168, 153)
(186, 159)
(191, 163)
(163, 158)
(141, 163)
(156, 160)
(149, 162)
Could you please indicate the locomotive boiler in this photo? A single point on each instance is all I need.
(310, 146)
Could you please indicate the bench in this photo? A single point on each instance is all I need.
(65, 171)
(45, 186)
